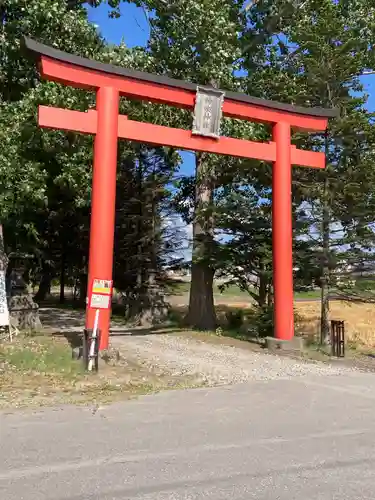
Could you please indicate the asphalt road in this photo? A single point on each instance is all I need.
(306, 438)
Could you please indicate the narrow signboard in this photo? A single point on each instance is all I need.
(101, 294)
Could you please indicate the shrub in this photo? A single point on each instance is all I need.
(235, 318)
(262, 321)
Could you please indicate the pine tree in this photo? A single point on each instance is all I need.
(143, 244)
(316, 55)
(199, 42)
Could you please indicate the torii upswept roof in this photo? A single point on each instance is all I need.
(39, 50)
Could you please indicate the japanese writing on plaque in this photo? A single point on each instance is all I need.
(208, 112)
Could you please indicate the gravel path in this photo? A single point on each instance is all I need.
(186, 358)
(214, 364)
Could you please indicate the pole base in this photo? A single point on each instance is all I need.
(87, 339)
(295, 345)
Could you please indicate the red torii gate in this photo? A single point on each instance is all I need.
(110, 82)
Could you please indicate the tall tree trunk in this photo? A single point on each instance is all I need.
(62, 276)
(139, 305)
(152, 304)
(201, 313)
(263, 291)
(324, 314)
(83, 284)
(3, 255)
(3, 267)
(44, 284)
(270, 296)
(136, 304)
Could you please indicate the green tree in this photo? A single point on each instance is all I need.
(144, 245)
(316, 55)
(45, 175)
(198, 42)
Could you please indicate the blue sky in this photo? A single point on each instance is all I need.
(132, 27)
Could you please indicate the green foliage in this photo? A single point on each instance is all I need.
(46, 175)
(49, 21)
(246, 259)
(33, 161)
(235, 319)
(314, 55)
(309, 53)
(262, 321)
(39, 354)
(145, 246)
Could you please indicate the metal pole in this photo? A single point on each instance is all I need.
(103, 201)
(282, 235)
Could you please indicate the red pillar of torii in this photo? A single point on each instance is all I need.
(111, 82)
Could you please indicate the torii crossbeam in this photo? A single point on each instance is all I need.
(111, 82)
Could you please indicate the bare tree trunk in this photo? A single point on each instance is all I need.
(138, 307)
(270, 296)
(5, 288)
(137, 301)
(153, 305)
(263, 286)
(201, 313)
(3, 256)
(324, 315)
(44, 284)
(83, 284)
(62, 276)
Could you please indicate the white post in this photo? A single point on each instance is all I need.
(93, 341)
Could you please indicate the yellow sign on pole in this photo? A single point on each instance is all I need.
(102, 286)
(101, 294)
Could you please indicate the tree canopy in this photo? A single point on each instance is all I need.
(307, 53)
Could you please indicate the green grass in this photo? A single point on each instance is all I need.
(40, 371)
(40, 355)
(313, 294)
(183, 287)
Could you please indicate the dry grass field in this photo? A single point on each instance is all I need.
(359, 317)
(359, 320)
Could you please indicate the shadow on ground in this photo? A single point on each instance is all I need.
(69, 323)
(61, 319)
(141, 331)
